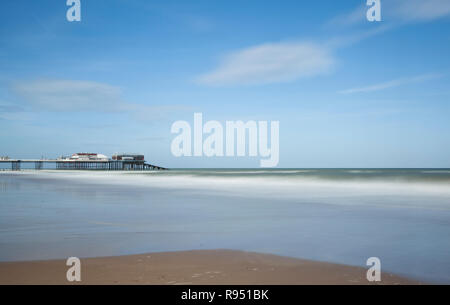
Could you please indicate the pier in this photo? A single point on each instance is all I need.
(118, 163)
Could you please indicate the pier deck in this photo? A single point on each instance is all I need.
(111, 165)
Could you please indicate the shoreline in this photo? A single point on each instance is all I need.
(196, 267)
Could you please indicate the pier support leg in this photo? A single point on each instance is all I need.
(15, 165)
(38, 165)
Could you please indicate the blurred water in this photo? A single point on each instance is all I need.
(343, 216)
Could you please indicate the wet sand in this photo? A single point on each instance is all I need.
(193, 267)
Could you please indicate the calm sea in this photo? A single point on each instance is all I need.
(345, 216)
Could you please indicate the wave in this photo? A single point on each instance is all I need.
(388, 189)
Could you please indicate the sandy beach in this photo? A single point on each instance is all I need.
(192, 268)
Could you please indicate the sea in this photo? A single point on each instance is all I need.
(345, 216)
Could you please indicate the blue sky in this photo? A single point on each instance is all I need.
(347, 92)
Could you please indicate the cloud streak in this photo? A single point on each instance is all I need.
(69, 95)
(391, 84)
(419, 10)
(286, 62)
(270, 63)
(398, 11)
(12, 112)
(84, 96)
(9, 108)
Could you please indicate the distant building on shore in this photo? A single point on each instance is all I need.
(128, 157)
(85, 157)
(100, 157)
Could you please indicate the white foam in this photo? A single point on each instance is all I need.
(274, 187)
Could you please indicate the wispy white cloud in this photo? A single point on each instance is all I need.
(10, 108)
(12, 112)
(398, 11)
(69, 95)
(142, 112)
(270, 63)
(285, 62)
(391, 84)
(419, 10)
(357, 15)
(84, 96)
(355, 37)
